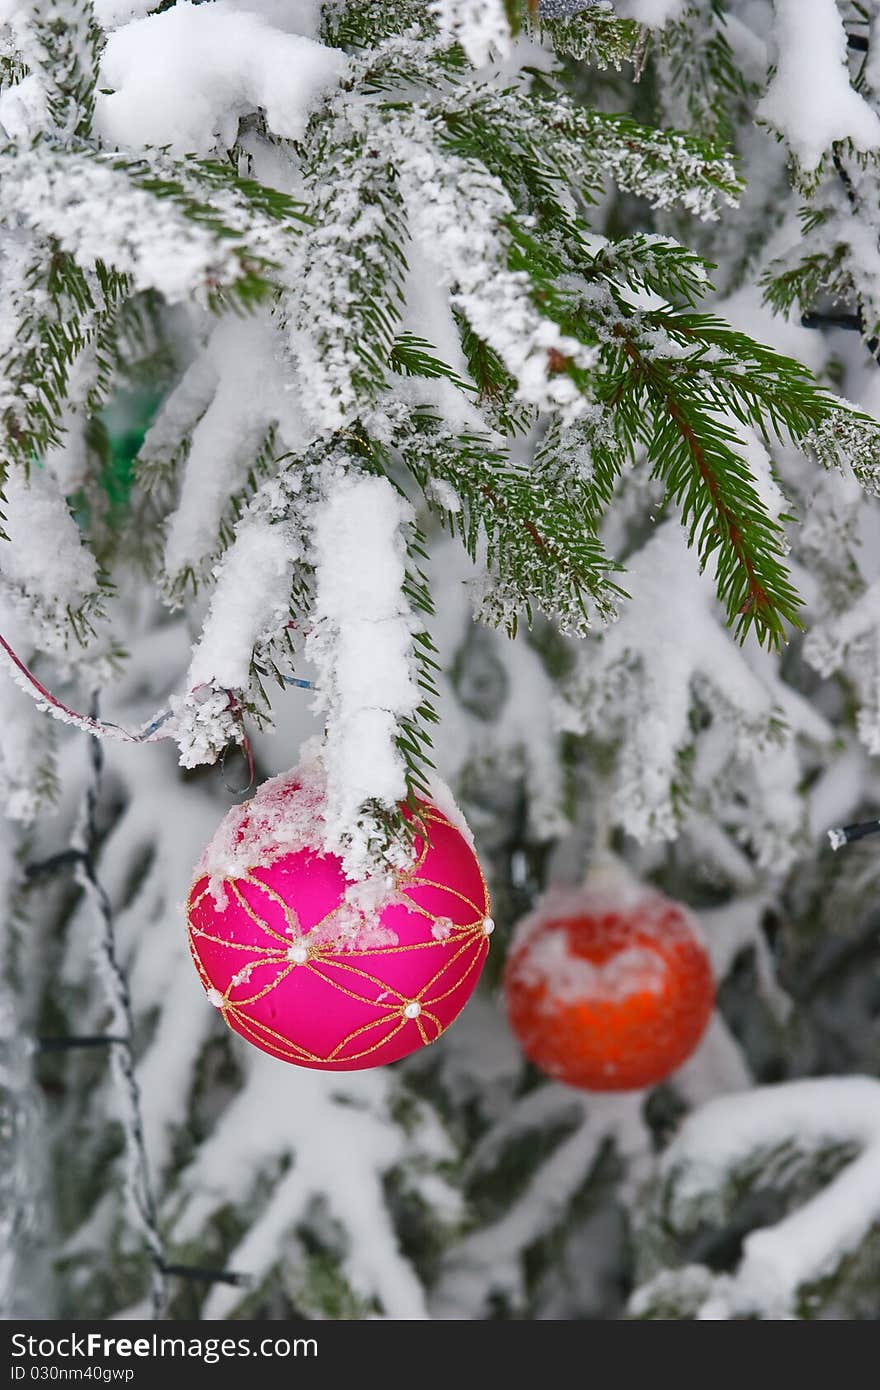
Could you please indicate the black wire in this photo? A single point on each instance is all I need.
(852, 322)
(53, 864)
(71, 1041)
(208, 1276)
(846, 834)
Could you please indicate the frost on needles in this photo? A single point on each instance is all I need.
(364, 254)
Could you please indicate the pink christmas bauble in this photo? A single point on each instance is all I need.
(321, 971)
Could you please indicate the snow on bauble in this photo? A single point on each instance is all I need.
(322, 971)
(608, 987)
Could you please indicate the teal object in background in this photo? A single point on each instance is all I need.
(123, 423)
(114, 438)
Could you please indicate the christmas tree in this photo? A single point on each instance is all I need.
(483, 390)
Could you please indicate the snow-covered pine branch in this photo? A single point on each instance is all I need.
(636, 687)
(182, 229)
(342, 323)
(585, 30)
(768, 1139)
(811, 56)
(835, 146)
(363, 627)
(59, 42)
(541, 549)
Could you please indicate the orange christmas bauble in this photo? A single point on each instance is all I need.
(608, 987)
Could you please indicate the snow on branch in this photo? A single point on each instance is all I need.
(847, 438)
(811, 60)
(461, 215)
(667, 650)
(653, 13)
(361, 643)
(177, 417)
(481, 27)
(153, 842)
(249, 607)
(848, 641)
(183, 78)
(667, 168)
(27, 783)
(763, 1139)
(250, 602)
(227, 441)
(488, 1263)
(60, 43)
(184, 230)
(349, 282)
(23, 1159)
(587, 30)
(342, 1141)
(839, 263)
(50, 328)
(541, 548)
(43, 582)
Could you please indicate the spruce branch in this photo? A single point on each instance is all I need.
(700, 81)
(179, 227)
(463, 213)
(60, 45)
(596, 347)
(57, 312)
(413, 356)
(650, 262)
(360, 24)
(551, 134)
(816, 274)
(496, 387)
(351, 275)
(699, 460)
(722, 372)
(593, 35)
(538, 525)
(413, 740)
(839, 272)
